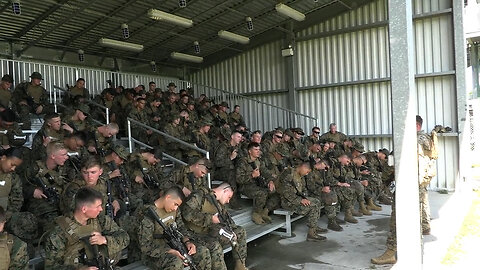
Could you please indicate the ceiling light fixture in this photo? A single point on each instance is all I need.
(122, 45)
(81, 55)
(153, 65)
(16, 8)
(182, 3)
(233, 37)
(290, 12)
(186, 57)
(164, 16)
(196, 47)
(249, 23)
(125, 31)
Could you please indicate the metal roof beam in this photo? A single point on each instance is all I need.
(40, 19)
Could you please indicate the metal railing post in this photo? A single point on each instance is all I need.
(207, 156)
(107, 115)
(129, 128)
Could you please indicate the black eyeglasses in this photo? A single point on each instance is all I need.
(316, 132)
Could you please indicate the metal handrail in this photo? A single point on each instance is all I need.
(196, 85)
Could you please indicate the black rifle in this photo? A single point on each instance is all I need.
(49, 191)
(260, 179)
(226, 220)
(75, 161)
(100, 150)
(150, 182)
(121, 183)
(109, 205)
(98, 260)
(173, 237)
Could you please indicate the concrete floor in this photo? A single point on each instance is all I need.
(358, 243)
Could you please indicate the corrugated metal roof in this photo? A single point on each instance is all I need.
(72, 25)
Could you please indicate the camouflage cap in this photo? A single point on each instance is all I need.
(204, 122)
(207, 163)
(224, 104)
(289, 133)
(299, 131)
(384, 151)
(121, 151)
(83, 108)
(358, 147)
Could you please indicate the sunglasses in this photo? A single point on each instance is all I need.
(280, 137)
(316, 132)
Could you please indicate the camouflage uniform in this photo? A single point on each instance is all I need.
(13, 252)
(138, 132)
(34, 96)
(317, 180)
(5, 97)
(73, 92)
(224, 166)
(256, 188)
(337, 137)
(138, 166)
(39, 151)
(183, 177)
(292, 190)
(98, 141)
(44, 210)
(63, 246)
(197, 213)
(154, 247)
(202, 141)
(426, 170)
(235, 117)
(173, 148)
(345, 195)
(67, 204)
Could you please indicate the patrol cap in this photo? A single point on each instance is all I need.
(83, 108)
(171, 84)
(203, 123)
(282, 130)
(7, 78)
(191, 102)
(206, 162)
(121, 151)
(384, 151)
(299, 131)
(36, 75)
(174, 116)
(224, 104)
(358, 147)
(288, 132)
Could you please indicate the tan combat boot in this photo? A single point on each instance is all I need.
(239, 265)
(372, 206)
(349, 217)
(332, 225)
(356, 213)
(265, 216)
(257, 218)
(363, 209)
(386, 258)
(314, 236)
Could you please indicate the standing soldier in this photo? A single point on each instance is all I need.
(333, 135)
(30, 97)
(293, 192)
(85, 240)
(156, 251)
(255, 182)
(206, 216)
(225, 157)
(13, 251)
(5, 93)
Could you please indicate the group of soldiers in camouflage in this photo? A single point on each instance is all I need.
(91, 198)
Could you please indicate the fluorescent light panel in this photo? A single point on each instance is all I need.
(290, 12)
(164, 16)
(122, 45)
(233, 37)
(186, 57)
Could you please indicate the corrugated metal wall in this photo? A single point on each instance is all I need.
(343, 71)
(95, 79)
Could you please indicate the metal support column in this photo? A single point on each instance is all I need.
(404, 107)
(460, 85)
(290, 69)
(474, 61)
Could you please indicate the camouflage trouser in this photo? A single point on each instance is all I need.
(312, 211)
(23, 225)
(215, 248)
(392, 234)
(168, 261)
(345, 196)
(424, 208)
(359, 191)
(262, 198)
(330, 203)
(239, 251)
(373, 188)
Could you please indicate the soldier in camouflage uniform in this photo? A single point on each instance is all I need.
(105, 99)
(205, 215)
(156, 253)
(178, 131)
(341, 185)
(5, 93)
(66, 246)
(313, 138)
(225, 157)
(294, 196)
(192, 112)
(235, 118)
(190, 177)
(101, 140)
(79, 119)
(200, 139)
(373, 184)
(139, 114)
(8, 125)
(52, 131)
(333, 135)
(146, 174)
(222, 112)
(256, 182)
(30, 97)
(13, 251)
(75, 145)
(76, 92)
(317, 186)
(51, 172)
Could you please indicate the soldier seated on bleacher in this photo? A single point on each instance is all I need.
(13, 251)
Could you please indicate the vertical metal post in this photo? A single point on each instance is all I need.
(474, 60)
(409, 251)
(55, 100)
(107, 115)
(207, 156)
(460, 85)
(130, 143)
